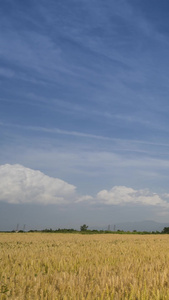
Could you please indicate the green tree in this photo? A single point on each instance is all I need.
(165, 230)
(83, 227)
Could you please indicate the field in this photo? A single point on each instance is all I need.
(74, 266)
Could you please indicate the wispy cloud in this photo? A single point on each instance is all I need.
(82, 134)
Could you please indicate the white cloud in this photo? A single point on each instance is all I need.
(85, 198)
(123, 195)
(20, 185)
(23, 185)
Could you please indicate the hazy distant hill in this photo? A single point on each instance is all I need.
(140, 226)
(147, 225)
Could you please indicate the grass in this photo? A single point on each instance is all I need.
(75, 266)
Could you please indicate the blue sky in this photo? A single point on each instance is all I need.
(84, 99)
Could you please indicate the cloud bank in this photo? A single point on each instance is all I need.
(23, 185)
(19, 185)
(121, 195)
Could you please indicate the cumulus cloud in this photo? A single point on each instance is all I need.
(85, 198)
(123, 195)
(23, 185)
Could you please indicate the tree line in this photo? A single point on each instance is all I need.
(84, 230)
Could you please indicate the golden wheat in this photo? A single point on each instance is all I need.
(74, 266)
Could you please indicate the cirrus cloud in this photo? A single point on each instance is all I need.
(23, 185)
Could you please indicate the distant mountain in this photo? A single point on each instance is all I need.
(147, 225)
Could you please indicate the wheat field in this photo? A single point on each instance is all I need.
(74, 266)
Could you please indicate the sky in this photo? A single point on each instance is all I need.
(84, 126)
